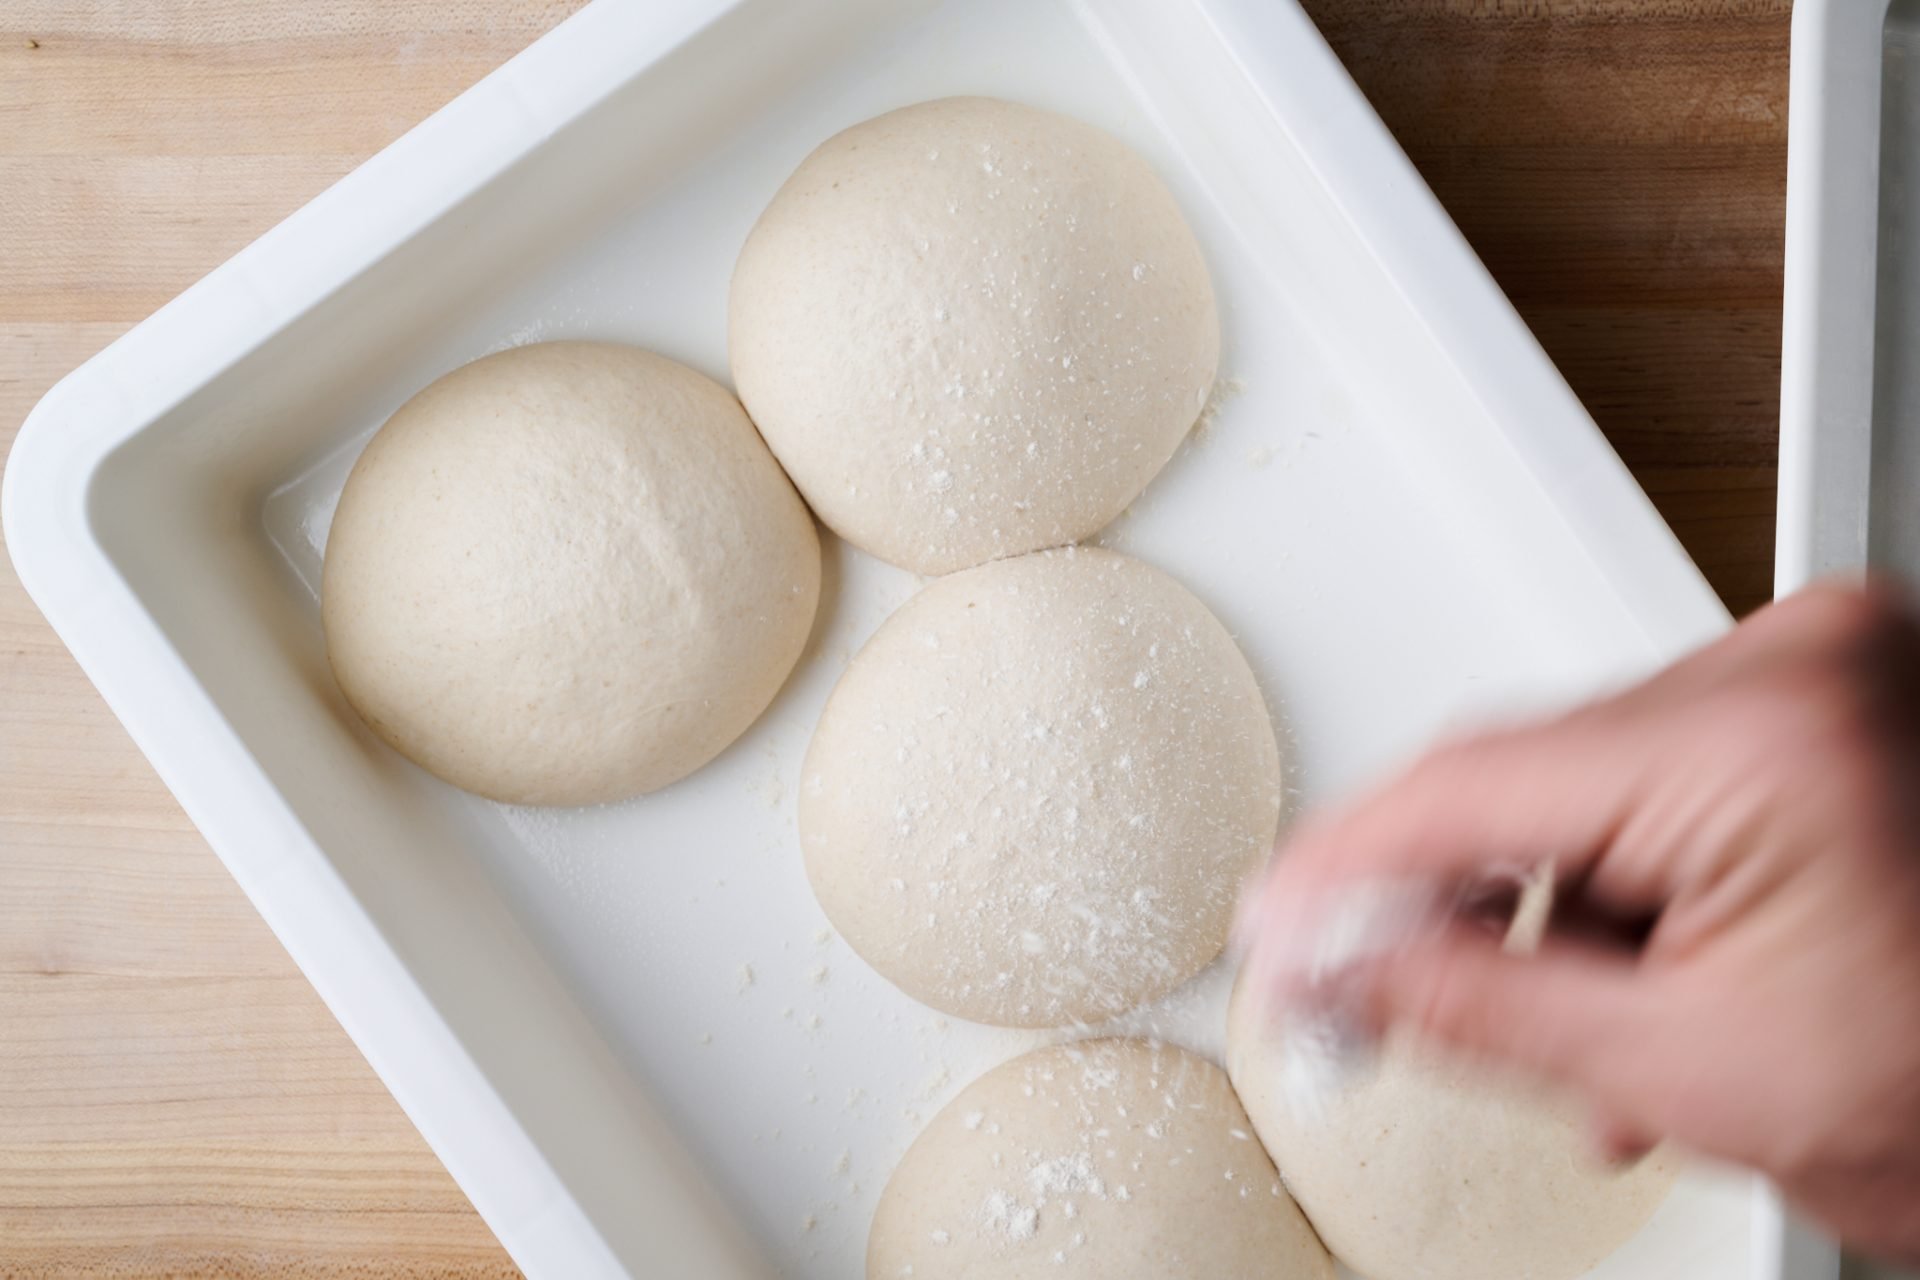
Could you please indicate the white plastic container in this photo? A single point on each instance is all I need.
(1850, 357)
(1850, 364)
(624, 1029)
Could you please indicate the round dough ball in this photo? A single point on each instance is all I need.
(971, 329)
(1034, 794)
(567, 573)
(1105, 1159)
(1427, 1169)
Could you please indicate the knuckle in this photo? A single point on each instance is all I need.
(1809, 701)
(1862, 628)
(1842, 611)
(1823, 703)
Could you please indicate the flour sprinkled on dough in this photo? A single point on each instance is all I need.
(1075, 1185)
(566, 574)
(971, 329)
(1044, 817)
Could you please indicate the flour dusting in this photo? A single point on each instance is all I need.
(1063, 791)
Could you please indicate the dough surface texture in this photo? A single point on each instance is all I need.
(1098, 1160)
(971, 329)
(1423, 1168)
(1033, 796)
(567, 573)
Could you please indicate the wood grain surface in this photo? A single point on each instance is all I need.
(174, 1099)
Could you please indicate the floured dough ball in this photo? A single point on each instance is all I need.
(567, 573)
(971, 329)
(1423, 1168)
(1034, 794)
(1105, 1159)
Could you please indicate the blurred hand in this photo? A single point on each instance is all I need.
(1735, 963)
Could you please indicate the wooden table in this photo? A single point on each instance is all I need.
(173, 1097)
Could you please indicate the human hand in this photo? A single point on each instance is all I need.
(1735, 960)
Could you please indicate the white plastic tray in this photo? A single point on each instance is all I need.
(1402, 512)
(1850, 358)
(1850, 367)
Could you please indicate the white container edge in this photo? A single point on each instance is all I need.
(416, 180)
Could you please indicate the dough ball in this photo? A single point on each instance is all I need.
(971, 329)
(1427, 1169)
(567, 573)
(1102, 1160)
(1033, 796)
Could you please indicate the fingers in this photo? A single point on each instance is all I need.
(1584, 1017)
(1558, 791)
(1495, 807)
(1503, 802)
(1553, 792)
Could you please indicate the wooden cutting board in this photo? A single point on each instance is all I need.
(174, 1099)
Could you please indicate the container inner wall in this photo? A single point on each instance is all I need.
(1893, 528)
